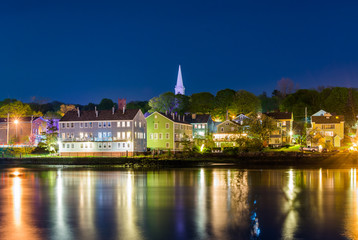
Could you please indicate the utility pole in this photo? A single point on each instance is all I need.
(306, 116)
(8, 129)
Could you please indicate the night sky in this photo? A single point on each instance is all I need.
(83, 51)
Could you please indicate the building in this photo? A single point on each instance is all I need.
(283, 134)
(113, 132)
(179, 87)
(168, 131)
(202, 124)
(227, 134)
(22, 131)
(330, 127)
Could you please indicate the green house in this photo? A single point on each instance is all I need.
(168, 131)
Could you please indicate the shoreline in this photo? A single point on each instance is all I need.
(246, 160)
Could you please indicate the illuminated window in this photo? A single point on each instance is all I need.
(151, 136)
(135, 123)
(329, 133)
(128, 124)
(123, 124)
(140, 124)
(284, 123)
(81, 145)
(99, 135)
(128, 135)
(81, 134)
(196, 126)
(199, 126)
(155, 136)
(123, 135)
(63, 135)
(104, 134)
(118, 124)
(118, 135)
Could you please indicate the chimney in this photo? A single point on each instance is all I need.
(113, 110)
(122, 103)
(193, 116)
(183, 118)
(166, 112)
(173, 115)
(124, 109)
(95, 109)
(78, 112)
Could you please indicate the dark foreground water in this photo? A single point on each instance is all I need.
(179, 204)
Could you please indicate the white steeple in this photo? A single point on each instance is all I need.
(179, 88)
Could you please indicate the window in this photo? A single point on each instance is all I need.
(119, 135)
(222, 129)
(151, 136)
(123, 135)
(195, 126)
(86, 135)
(167, 145)
(123, 124)
(135, 135)
(155, 116)
(155, 136)
(104, 125)
(100, 145)
(86, 145)
(81, 125)
(90, 124)
(63, 145)
(135, 123)
(328, 126)
(81, 134)
(284, 123)
(72, 125)
(118, 124)
(99, 135)
(109, 134)
(68, 145)
(203, 125)
(199, 126)
(63, 125)
(68, 125)
(118, 145)
(181, 127)
(91, 135)
(86, 125)
(72, 135)
(99, 124)
(128, 135)
(140, 124)
(329, 133)
(81, 145)
(124, 145)
(167, 125)
(109, 124)
(167, 136)
(155, 125)
(109, 145)
(104, 145)
(104, 134)
(128, 124)
(128, 145)
(63, 135)
(160, 136)
(232, 129)
(90, 145)
(72, 145)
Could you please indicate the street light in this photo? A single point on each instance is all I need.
(16, 122)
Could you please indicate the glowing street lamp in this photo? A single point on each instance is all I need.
(16, 122)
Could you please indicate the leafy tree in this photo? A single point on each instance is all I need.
(285, 86)
(182, 103)
(142, 105)
(52, 115)
(268, 104)
(65, 108)
(164, 103)
(106, 104)
(223, 101)
(261, 126)
(245, 102)
(49, 142)
(202, 102)
(90, 106)
(16, 109)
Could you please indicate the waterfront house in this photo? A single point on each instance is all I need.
(202, 124)
(120, 132)
(330, 127)
(283, 133)
(168, 131)
(227, 134)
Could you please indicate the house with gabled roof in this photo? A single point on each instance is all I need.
(330, 127)
(202, 124)
(116, 132)
(283, 133)
(227, 134)
(168, 131)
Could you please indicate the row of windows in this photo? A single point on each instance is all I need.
(100, 135)
(199, 126)
(100, 145)
(159, 136)
(102, 124)
(328, 126)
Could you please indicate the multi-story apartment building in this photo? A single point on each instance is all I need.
(330, 127)
(283, 133)
(168, 131)
(102, 133)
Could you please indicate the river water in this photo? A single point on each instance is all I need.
(178, 204)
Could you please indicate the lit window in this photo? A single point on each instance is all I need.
(140, 124)
(155, 136)
(196, 126)
(123, 124)
(123, 135)
(128, 135)
(135, 123)
(151, 136)
(81, 134)
(90, 124)
(118, 124)
(118, 135)
(81, 145)
(128, 124)
(63, 135)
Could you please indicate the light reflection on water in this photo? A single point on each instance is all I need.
(179, 204)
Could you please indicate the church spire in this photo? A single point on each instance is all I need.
(179, 88)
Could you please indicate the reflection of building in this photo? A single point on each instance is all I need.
(24, 130)
(283, 134)
(202, 124)
(331, 127)
(227, 134)
(168, 131)
(102, 133)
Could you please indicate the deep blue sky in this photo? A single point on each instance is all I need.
(82, 51)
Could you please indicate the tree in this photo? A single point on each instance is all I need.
(142, 105)
(65, 108)
(285, 86)
(106, 104)
(182, 103)
(16, 109)
(202, 102)
(223, 101)
(261, 126)
(245, 102)
(164, 103)
(50, 141)
(90, 106)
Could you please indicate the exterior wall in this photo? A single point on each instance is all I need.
(282, 135)
(329, 131)
(166, 134)
(20, 131)
(92, 137)
(158, 125)
(227, 134)
(201, 130)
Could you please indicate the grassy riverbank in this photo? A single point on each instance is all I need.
(260, 160)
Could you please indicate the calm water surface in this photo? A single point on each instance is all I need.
(179, 204)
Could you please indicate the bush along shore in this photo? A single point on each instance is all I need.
(259, 160)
